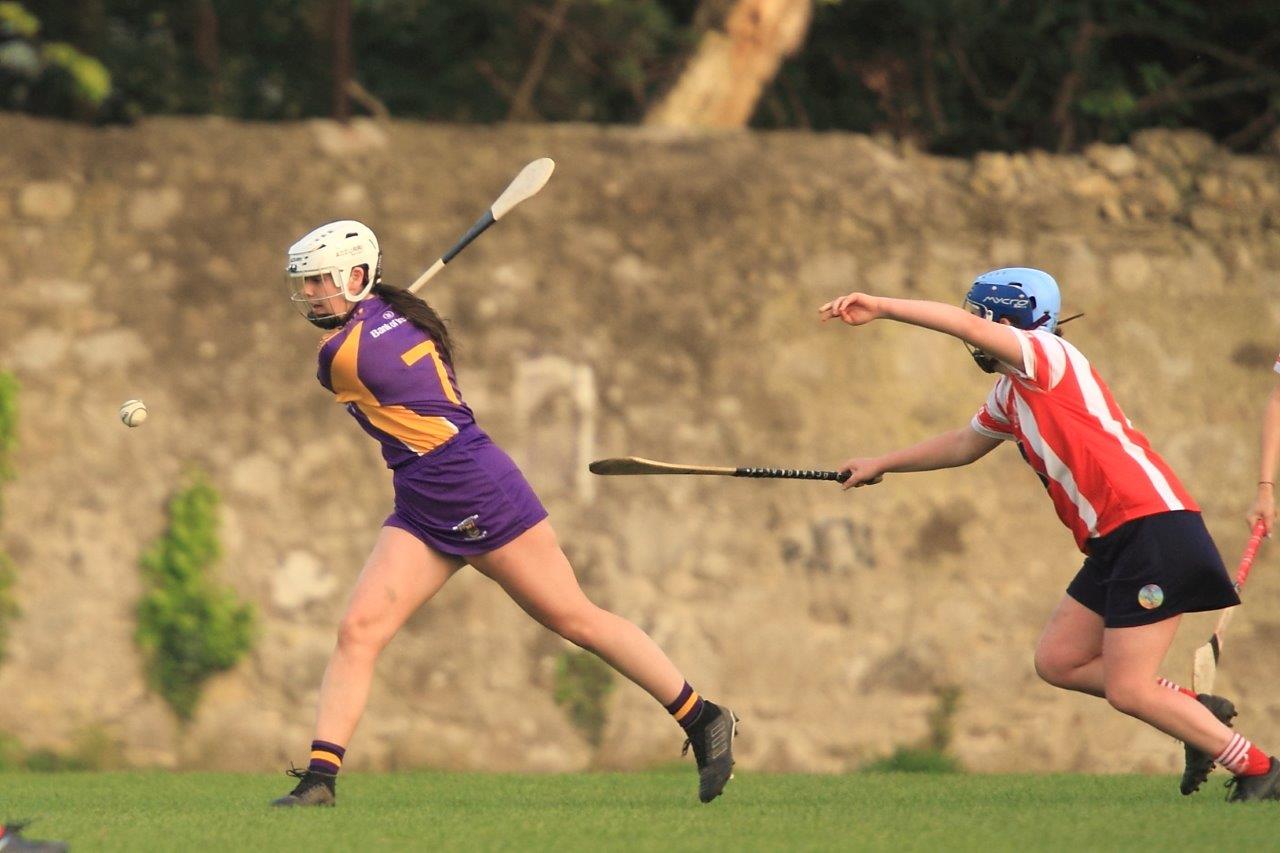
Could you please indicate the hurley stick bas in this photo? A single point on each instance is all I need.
(635, 465)
(1204, 667)
(525, 185)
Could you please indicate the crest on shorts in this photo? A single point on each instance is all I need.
(469, 528)
(1151, 596)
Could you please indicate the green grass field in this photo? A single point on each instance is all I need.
(637, 811)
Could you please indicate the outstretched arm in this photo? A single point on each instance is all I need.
(948, 450)
(994, 339)
(1264, 503)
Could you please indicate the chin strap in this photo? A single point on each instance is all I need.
(986, 362)
(333, 321)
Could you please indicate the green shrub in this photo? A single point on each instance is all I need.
(10, 752)
(8, 423)
(582, 683)
(92, 749)
(17, 21)
(8, 440)
(95, 749)
(51, 761)
(913, 759)
(932, 754)
(188, 627)
(8, 607)
(942, 718)
(48, 77)
(88, 78)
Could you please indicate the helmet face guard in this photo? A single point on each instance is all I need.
(993, 297)
(338, 305)
(984, 361)
(331, 252)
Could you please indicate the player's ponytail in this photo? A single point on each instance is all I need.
(420, 314)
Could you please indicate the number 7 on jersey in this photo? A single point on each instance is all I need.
(429, 349)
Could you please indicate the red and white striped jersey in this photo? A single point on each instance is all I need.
(1099, 470)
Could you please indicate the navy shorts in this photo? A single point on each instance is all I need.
(1152, 568)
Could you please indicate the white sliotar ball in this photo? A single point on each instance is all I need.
(133, 413)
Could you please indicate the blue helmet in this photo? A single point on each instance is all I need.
(1028, 298)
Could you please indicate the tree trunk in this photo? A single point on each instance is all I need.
(91, 25)
(522, 103)
(206, 49)
(739, 55)
(342, 71)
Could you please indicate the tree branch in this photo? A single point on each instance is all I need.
(368, 100)
(502, 87)
(1205, 93)
(521, 103)
(1242, 61)
(1072, 82)
(1260, 125)
(1170, 89)
(929, 81)
(796, 102)
(999, 105)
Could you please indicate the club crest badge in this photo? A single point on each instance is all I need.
(1151, 596)
(469, 528)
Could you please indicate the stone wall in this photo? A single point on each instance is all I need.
(659, 298)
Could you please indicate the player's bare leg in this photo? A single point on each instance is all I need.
(400, 576)
(1069, 655)
(536, 574)
(1131, 658)
(1069, 652)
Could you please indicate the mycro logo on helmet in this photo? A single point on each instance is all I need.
(1007, 301)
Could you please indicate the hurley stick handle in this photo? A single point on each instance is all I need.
(1250, 552)
(792, 474)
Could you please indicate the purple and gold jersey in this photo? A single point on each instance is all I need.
(394, 381)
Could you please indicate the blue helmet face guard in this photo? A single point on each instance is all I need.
(984, 361)
(1023, 297)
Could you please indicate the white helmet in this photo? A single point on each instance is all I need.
(334, 249)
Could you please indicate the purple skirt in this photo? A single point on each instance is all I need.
(465, 497)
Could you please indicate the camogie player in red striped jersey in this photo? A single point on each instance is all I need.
(1148, 556)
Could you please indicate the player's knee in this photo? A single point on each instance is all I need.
(1052, 669)
(361, 634)
(1127, 697)
(580, 626)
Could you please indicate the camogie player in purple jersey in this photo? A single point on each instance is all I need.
(459, 500)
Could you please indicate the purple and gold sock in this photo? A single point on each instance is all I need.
(326, 757)
(687, 707)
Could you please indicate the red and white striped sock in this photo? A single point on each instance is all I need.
(1242, 758)
(1186, 691)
